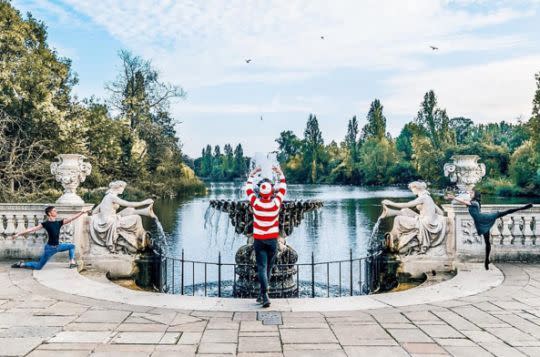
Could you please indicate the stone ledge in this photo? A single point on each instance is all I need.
(470, 280)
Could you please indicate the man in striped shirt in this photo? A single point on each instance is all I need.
(265, 226)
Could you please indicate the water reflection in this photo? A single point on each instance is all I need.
(345, 222)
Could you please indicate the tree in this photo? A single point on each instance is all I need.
(138, 91)
(351, 139)
(313, 148)
(228, 160)
(433, 122)
(463, 128)
(289, 146)
(240, 166)
(376, 122)
(404, 141)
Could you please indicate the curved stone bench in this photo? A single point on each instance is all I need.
(471, 279)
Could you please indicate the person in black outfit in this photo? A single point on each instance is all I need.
(484, 221)
(53, 246)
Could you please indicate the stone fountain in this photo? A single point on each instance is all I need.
(283, 281)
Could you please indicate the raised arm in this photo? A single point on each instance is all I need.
(125, 203)
(458, 200)
(250, 192)
(409, 204)
(75, 216)
(282, 185)
(28, 230)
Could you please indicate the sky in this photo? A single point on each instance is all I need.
(488, 53)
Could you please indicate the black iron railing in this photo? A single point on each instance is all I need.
(347, 277)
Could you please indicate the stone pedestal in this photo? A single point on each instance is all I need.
(282, 282)
(116, 266)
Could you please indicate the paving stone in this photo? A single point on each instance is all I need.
(29, 331)
(42, 353)
(81, 337)
(307, 336)
(211, 347)
(480, 336)
(190, 338)
(311, 346)
(90, 326)
(459, 351)
(512, 336)
(142, 327)
(108, 316)
(67, 346)
(259, 344)
(174, 350)
(123, 353)
(314, 353)
(479, 317)
(409, 335)
(222, 324)
(189, 327)
(125, 349)
(144, 338)
(170, 338)
(423, 348)
(375, 334)
(255, 354)
(375, 351)
(454, 342)
(256, 326)
(502, 350)
(219, 336)
(530, 351)
(245, 316)
(442, 331)
(19, 346)
(456, 321)
(391, 318)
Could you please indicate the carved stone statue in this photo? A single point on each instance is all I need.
(415, 232)
(122, 231)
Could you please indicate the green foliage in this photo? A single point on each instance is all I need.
(226, 166)
(39, 119)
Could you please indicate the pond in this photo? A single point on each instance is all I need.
(345, 222)
(343, 225)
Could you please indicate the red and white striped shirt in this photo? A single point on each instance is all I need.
(266, 210)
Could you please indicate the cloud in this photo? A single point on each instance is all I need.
(487, 92)
(205, 43)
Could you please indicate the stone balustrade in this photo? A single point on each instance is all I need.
(15, 218)
(514, 237)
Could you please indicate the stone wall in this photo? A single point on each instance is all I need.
(15, 218)
(515, 237)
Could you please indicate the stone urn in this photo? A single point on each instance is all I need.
(465, 172)
(70, 170)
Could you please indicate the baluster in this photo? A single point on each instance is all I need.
(537, 228)
(516, 230)
(10, 226)
(506, 233)
(1, 224)
(32, 223)
(527, 231)
(20, 223)
(495, 233)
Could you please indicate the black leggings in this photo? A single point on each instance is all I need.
(487, 235)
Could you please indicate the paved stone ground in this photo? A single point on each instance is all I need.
(38, 321)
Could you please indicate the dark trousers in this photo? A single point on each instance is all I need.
(265, 255)
(487, 236)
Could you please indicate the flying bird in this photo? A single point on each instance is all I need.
(434, 48)
(322, 37)
(248, 60)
